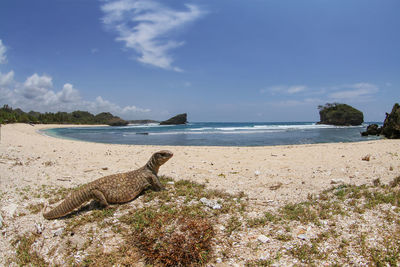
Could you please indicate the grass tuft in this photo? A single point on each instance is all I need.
(23, 252)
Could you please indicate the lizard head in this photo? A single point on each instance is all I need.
(162, 156)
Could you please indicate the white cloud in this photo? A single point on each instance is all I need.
(296, 89)
(36, 86)
(101, 105)
(3, 50)
(284, 89)
(68, 94)
(146, 27)
(354, 92)
(37, 93)
(6, 79)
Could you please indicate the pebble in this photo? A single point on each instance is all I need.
(10, 209)
(171, 182)
(337, 181)
(210, 203)
(58, 232)
(263, 239)
(257, 173)
(302, 237)
(264, 257)
(39, 228)
(218, 260)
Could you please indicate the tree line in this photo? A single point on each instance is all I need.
(10, 115)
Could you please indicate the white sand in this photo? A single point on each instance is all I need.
(301, 169)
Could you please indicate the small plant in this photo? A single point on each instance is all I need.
(35, 208)
(24, 255)
(233, 224)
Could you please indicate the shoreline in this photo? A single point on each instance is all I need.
(234, 169)
(212, 143)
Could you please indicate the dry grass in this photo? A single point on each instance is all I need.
(24, 254)
(350, 225)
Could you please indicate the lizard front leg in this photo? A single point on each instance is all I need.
(156, 184)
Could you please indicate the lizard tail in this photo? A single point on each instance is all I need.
(72, 202)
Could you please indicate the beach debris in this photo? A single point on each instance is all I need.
(222, 175)
(171, 182)
(263, 239)
(265, 256)
(366, 158)
(376, 182)
(1, 221)
(337, 181)
(58, 232)
(210, 203)
(275, 187)
(104, 168)
(257, 173)
(302, 237)
(39, 228)
(65, 179)
(48, 163)
(10, 209)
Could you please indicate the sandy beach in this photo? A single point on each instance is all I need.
(31, 158)
(268, 175)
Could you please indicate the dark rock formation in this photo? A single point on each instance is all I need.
(372, 129)
(340, 114)
(109, 119)
(142, 121)
(117, 122)
(391, 125)
(178, 119)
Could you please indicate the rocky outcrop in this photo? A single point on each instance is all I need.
(340, 114)
(117, 122)
(372, 129)
(391, 125)
(178, 119)
(142, 121)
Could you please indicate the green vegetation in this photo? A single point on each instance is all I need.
(344, 225)
(178, 230)
(23, 252)
(9, 115)
(340, 114)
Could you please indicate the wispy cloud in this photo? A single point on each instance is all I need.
(354, 92)
(296, 89)
(3, 50)
(284, 89)
(37, 93)
(146, 27)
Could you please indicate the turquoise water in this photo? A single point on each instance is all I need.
(216, 134)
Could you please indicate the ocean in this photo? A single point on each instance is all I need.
(216, 134)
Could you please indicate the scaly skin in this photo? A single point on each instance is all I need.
(116, 188)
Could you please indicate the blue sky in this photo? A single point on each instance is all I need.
(224, 60)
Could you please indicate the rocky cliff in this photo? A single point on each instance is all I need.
(340, 114)
(391, 125)
(178, 119)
